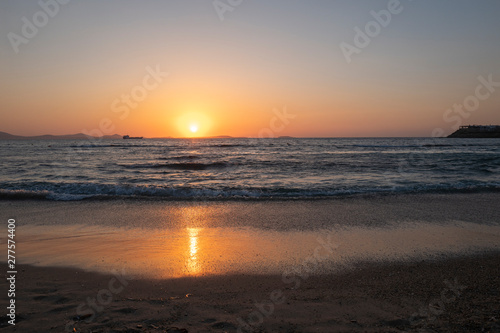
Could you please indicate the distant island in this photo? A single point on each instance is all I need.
(78, 136)
(476, 131)
(81, 136)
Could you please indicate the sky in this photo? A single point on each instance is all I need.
(315, 68)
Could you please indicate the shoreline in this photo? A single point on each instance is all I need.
(41, 196)
(463, 293)
(476, 207)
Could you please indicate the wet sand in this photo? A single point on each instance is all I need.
(463, 293)
(361, 264)
(179, 252)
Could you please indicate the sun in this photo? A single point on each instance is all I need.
(193, 128)
(194, 124)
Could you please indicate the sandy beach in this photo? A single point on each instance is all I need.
(453, 295)
(427, 262)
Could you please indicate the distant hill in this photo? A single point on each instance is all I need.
(476, 131)
(78, 136)
(81, 136)
(7, 136)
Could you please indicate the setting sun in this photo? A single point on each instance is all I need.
(193, 124)
(193, 128)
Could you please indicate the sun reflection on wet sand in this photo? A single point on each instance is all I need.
(193, 264)
(199, 251)
(194, 218)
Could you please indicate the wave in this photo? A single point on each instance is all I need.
(182, 157)
(23, 194)
(177, 166)
(436, 145)
(76, 192)
(227, 145)
(388, 146)
(423, 145)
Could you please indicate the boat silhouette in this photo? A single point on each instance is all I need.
(128, 137)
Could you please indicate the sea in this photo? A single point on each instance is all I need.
(245, 169)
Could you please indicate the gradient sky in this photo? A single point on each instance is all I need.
(228, 76)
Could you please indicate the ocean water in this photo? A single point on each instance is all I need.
(221, 169)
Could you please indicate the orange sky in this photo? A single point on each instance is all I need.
(237, 76)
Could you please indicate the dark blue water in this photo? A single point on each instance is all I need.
(245, 168)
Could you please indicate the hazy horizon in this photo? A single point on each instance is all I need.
(215, 136)
(283, 68)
